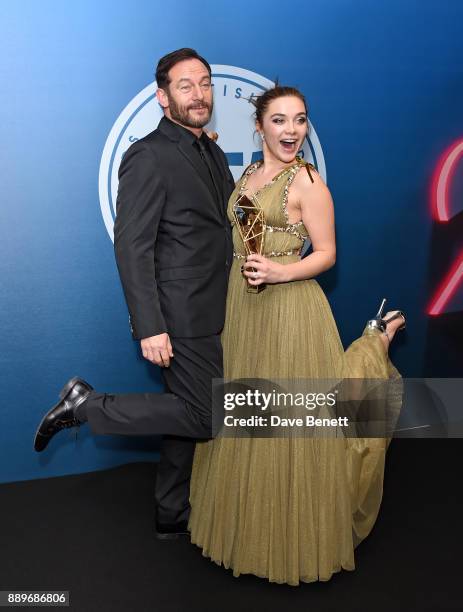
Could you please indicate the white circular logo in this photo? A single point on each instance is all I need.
(232, 119)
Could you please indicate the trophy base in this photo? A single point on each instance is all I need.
(255, 288)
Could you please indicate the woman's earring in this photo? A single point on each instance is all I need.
(262, 136)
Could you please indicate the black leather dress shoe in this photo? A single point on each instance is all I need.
(171, 531)
(62, 414)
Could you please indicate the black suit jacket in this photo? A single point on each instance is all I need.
(172, 238)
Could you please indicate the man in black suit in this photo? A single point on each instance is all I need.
(173, 249)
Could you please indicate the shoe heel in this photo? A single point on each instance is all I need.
(379, 314)
(67, 387)
(378, 321)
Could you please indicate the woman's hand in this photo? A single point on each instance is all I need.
(260, 270)
(212, 135)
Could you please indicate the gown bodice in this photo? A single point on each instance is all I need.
(281, 238)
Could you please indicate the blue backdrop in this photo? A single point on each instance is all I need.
(385, 91)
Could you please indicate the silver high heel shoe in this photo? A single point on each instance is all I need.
(381, 324)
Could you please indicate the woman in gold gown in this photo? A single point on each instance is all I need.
(288, 509)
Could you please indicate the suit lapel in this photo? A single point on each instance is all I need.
(187, 150)
(203, 172)
(200, 168)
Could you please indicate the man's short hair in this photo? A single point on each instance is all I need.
(168, 61)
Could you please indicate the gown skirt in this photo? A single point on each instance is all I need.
(287, 509)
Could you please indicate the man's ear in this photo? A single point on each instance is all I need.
(163, 100)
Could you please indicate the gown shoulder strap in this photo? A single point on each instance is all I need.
(246, 169)
(310, 167)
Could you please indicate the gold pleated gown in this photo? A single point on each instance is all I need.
(288, 510)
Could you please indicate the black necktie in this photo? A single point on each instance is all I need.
(205, 156)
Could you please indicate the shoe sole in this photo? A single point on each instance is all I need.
(37, 433)
(171, 536)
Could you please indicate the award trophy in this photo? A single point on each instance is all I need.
(250, 221)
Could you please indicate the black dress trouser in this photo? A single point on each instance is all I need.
(182, 415)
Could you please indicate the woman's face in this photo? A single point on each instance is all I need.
(284, 126)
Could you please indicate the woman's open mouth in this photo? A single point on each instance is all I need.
(289, 145)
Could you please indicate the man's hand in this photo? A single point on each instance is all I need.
(157, 349)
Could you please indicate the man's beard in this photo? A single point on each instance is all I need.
(182, 116)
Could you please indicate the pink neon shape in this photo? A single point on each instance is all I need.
(448, 287)
(440, 207)
(442, 179)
